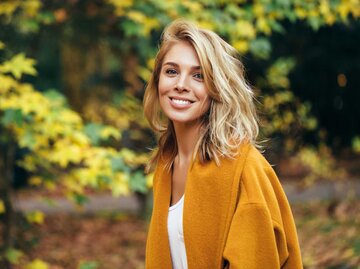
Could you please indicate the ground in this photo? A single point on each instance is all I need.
(329, 235)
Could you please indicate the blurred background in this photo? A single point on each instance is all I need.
(74, 141)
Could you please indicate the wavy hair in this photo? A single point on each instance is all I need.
(231, 118)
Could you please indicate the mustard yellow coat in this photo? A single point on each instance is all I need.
(235, 216)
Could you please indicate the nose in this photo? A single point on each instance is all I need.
(181, 84)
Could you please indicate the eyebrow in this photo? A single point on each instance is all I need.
(197, 67)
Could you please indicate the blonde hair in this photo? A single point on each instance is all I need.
(231, 118)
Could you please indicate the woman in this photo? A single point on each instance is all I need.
(217, 201)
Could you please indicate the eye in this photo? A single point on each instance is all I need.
(199, 76)
(171, 71)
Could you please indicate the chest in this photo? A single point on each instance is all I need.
(210, 198)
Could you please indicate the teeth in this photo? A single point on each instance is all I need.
(181, 102)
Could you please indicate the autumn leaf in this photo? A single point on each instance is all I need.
(37, 264)
(13, 255)
(19, 65)
(109, 131)
(9, 7)
(149, 180)
(2, 207)
(35, 217)
(120, 184)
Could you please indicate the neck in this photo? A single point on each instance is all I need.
(187, 136)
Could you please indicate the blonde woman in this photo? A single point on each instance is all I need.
(217, 201)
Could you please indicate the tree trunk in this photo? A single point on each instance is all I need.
(7, 158)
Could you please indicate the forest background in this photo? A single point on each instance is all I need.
(72, 76)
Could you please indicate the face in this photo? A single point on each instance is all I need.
(182, 91)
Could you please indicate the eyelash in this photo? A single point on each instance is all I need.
(174, 72)
(171, 71)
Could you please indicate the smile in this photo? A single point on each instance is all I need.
(181, 102)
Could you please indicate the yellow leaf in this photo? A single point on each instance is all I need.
(324, 7)
(120, 6)
(192, 6)
(314, 13)
(35, 181)
(8, 7)
(2, 207)
(37, 264)
(330, 19)
(35, 217)
(80, 139)
(149, 180)
(263, 26)
(50, 185)
(120, 184)
(245, 29)
(2, 45)
(110, 131)
(6, 83)
(206, 24)
(150, 63)
(19, 65)
(300, 12)
(31, 8)
(144, 73)
(344, 9)
(258, 9)
(241, 45)
(69, 116)
(136, 16)
(127, 154)
(149, 25)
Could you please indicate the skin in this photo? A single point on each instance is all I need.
(184, 100)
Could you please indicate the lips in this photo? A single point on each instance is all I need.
(180, 102)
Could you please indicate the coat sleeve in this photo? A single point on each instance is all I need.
(255, 241)
(262, 232)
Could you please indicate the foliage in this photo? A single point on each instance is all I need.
(105, 51)
(139, 23)
(60, 149)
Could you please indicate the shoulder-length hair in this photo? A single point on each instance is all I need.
(231, 118)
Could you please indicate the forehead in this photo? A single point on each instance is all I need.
(182, 53)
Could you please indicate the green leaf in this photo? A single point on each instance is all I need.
(12, 116)
(93, 131)
(29, 26)
(261, 48)
(46, 17)
(55, 96)
(277, 27)
(138, 182)
(79, 199)
(131, 28)
(315, 22)
(117, 164)
(13, 255)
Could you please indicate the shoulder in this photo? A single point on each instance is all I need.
(258, 180)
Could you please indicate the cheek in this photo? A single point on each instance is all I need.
(205, 101)
(163, 85)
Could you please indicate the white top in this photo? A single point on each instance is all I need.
(176, 235)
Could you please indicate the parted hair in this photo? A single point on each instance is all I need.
(231, 118)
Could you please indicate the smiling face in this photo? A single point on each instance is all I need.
(182, 91)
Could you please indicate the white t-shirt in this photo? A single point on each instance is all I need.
(176, 235)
